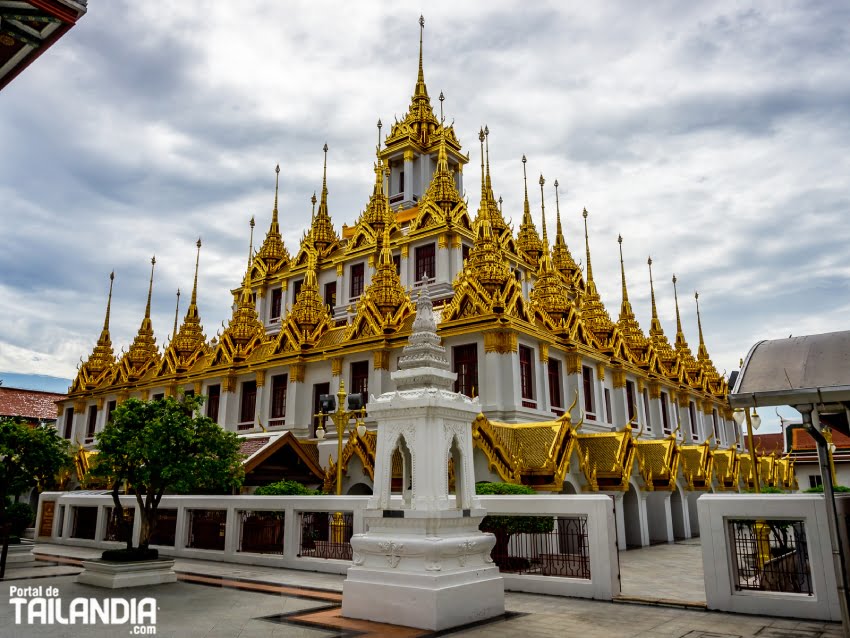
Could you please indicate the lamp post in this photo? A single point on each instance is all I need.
(827, 434)
(753, 423)
(333, 407)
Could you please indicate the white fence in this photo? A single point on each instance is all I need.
(294, 531)
(775, 563)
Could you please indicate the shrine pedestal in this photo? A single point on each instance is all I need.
(430, 570)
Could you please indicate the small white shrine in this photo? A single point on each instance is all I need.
(423, 562)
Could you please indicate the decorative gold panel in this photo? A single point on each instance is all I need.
(543, 352)
(619, 377)
(336, 366)
(500, 341)
(261, 378)
(600, 372)
(405, 251)
(442, 241)
(654, 390)
(99, 404)
(573, 363)
(145, 394)
(381, 359)
(340, 268)
(228, 384)
(198, 387)
(296, 372)
(640, 385)
(408, 156)
(79, 407)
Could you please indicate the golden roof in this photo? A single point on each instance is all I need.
(726, 467)
(606, 459)
(309, 317)
(534, 454)
(697, 465)
(662, 348)
(658, 462)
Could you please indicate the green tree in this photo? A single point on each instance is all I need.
(29, 457)
(503, 527)
(161, 446)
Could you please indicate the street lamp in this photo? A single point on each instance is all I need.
(753, 423)
(333, 407)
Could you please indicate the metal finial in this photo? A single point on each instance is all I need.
(481, 135)
(325, 147)
(556, 183)
(523, 159)
(542, 181)
(422, 21)
(584, 213)
(313, 198)
(649, 261)
(620, 239)
(277, 169)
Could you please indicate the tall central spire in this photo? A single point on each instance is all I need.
(150, 289)
(273, 252)
(143, 350)
(528, 241)
(421, 89)
(587, 250)
(324, 235)
(655, 324)
(680, 335)
(105, 331)
(561, 257)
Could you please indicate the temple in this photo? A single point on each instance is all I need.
(573, 398)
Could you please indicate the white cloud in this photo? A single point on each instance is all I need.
(712, 136)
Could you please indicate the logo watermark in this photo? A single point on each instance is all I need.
(40, 605)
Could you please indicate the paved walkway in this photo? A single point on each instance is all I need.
(668, 573)
(251, 602)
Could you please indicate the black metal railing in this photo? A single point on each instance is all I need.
(114, 531)
(261, 532)
(326, 534)
(165, 532)
(84, 523)
(542, 545)
(206, 529)
(771, 555)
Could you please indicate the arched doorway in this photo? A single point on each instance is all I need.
(677, 512)
(631, 517)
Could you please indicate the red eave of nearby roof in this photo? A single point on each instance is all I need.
(30, 404)
(802, 440)
(768, 443)
(249, 447)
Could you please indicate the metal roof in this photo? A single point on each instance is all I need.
(798, 370)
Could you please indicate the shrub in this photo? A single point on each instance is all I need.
(818, 489)
(286, 488)
(503, 527)
(20, 516)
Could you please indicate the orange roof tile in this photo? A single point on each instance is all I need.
(802, 440)
(29, 404)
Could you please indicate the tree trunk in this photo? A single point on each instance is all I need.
(148, 525)
(120, 520)
(4, 536)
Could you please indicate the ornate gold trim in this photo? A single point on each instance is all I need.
(296, 372)
(500, 341)
(543, 353)
(261, 378)
(336, 366)
(381, 359)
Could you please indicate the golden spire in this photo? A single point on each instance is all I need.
(528, 241)
(561, 257)
(324, 235)
(550, 292)
(309, 309)
(385, 290)
(421, 89)
(191, 334)
(655, 324)
(244, 324)
(176, 314)
(543, 216)
(487, 158)
(629, 326)
(442, 190)
(143, 349)
(680, 335)
(273, 250)
(587, 249)
(593, 313)
(702, 352)
(102, 358)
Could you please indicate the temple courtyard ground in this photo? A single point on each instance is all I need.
(663, 597)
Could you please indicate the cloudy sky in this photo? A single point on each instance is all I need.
(712, 136)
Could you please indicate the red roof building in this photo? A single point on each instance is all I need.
(32, 406)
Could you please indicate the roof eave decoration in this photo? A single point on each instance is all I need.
(697, 466)
(307, 320)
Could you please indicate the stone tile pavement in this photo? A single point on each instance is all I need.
(194, 610)
(670, 572)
